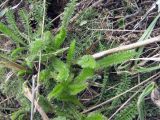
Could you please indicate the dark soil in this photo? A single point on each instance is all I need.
(55, 7)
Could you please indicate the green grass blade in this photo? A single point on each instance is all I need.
(147, 34)
(147, 69)
(140, 102)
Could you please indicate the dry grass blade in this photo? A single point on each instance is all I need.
(12, 65)
(28, 94)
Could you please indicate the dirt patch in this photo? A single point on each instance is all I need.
(55, 7)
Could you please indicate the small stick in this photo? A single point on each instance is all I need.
(6, 99)
(115, 30)
(148, 59)
(16, 6)
(28, 94)
(126, 47)
(4, 4)
(33, 96)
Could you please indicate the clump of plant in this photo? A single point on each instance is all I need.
(37, 62)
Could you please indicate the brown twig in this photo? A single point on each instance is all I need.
(4, 4)
(126, 47)
(6, 99)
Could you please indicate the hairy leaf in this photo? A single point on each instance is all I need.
(44, 75)
(9, 33)
(77, 88)
(87, 61)
(47, 37)
(57, 90)
(12, 23)
(65, 96)
(68, 13)
(62, 69)
(59, 38)
(36, 46)
(71, 51)
(85, 74)
(45, 104)
(95, 116)
(17, 51)
(115, 59)
(25, 18)
(60, 118)
(20, 113)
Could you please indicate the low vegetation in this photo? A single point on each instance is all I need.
(89, 68)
